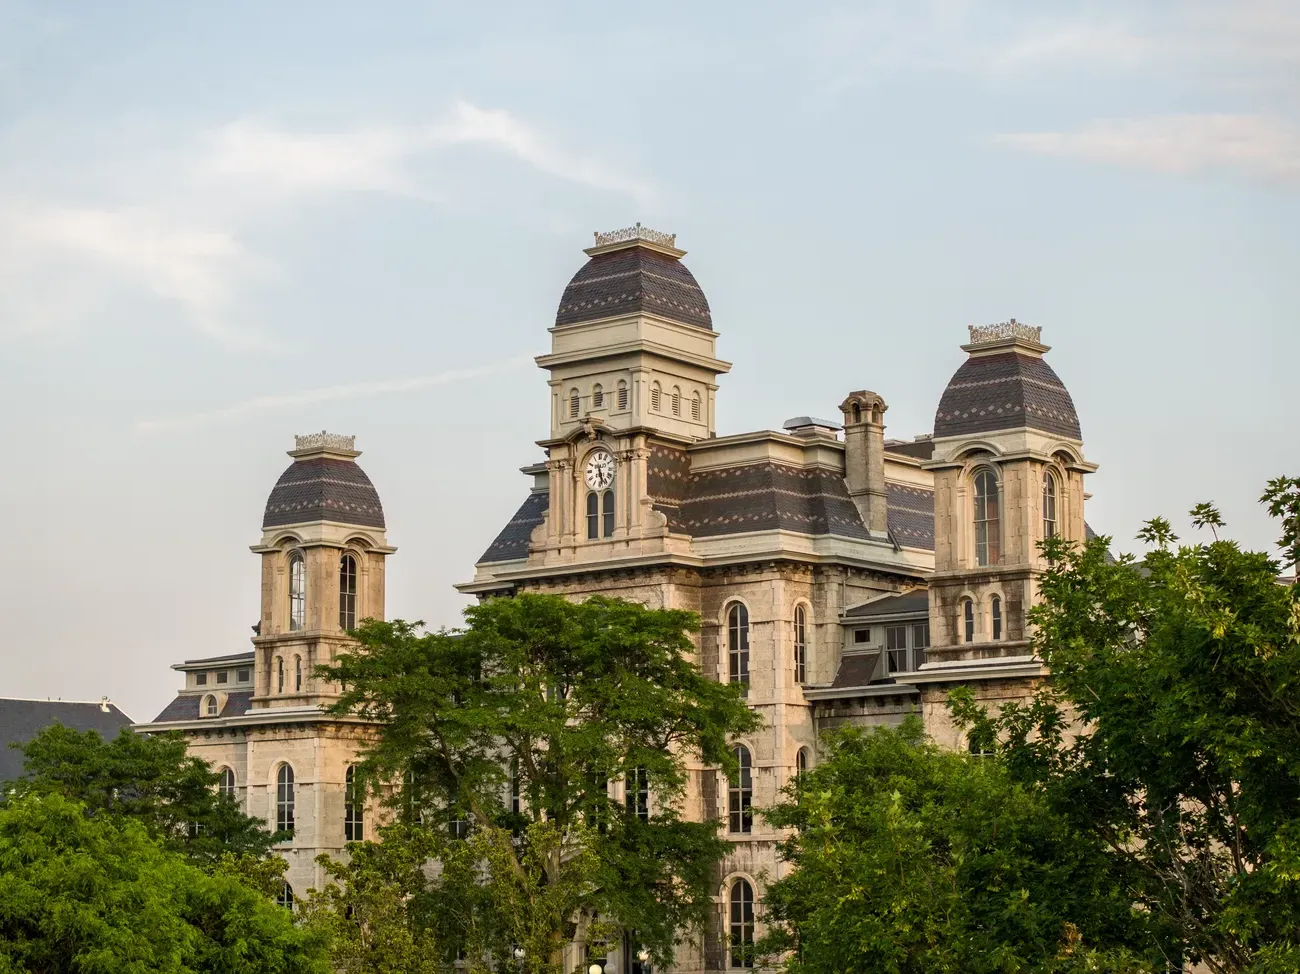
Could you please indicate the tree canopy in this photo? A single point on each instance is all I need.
(507, 738)
(97, 894)
(1171, 730)
(151, 779)
(911, 860)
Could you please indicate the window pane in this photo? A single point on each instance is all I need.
(242, 676)
(222, 676)
(297, 593)
(987, 536)
(347, 592)
(862, 635)
(738, 644)
(997, 617)
(740, 794)
(593, 517)
(607, 514)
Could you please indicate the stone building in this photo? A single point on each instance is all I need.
(257, 716)
(841, 577)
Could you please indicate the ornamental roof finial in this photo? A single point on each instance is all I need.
(636, 232)
(1004, 331)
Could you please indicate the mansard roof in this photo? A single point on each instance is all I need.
(186, 706)
(635, 279)
(1006, 390)
(324, 488)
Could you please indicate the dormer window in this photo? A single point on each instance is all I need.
(597, 397)
(209, 706)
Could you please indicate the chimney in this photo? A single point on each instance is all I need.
(864, 458)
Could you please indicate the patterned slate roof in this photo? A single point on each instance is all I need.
(21, 720)
(635, 279)
(1006, 391)
(324, 489)
(186, 706)
(911, 515)
(512, 543)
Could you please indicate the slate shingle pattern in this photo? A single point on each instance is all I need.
(21, 720)
(512, 543)
(1005, 391)
(186, 706)
(911, 515)
(634, 280)
(324, 488)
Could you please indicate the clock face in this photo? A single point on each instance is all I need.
(600, 470)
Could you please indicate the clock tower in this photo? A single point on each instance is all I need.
(632, 367)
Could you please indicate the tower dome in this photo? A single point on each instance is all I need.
(324, 483)
(1006, 384)
(630, 271)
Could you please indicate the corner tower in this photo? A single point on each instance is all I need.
(1008, 468)
(323, 552)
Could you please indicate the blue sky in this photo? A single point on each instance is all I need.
(221, 225)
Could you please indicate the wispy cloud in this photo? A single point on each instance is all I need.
(1260, 147)
(355, 390)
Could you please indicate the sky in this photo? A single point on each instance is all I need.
(224, 224)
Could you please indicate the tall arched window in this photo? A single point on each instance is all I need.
(740, 794)
(597, 396)
(740, 939)
(800, 645)
(297, 592)
(636, 793)
(655, 396)
(987, 534)
(226, 782)
(297, 674)
(801, 763)
(695, 407)
(677, 401)
(347, 592)
(995, 608)
(607, 514)
(738, 645)
(1049, 504)
(285, 896)
(354, 826)
(968, 620)
(209, 706)
(622, 394)
(279, 675)
(593, 516)
(284, 799)
(573, 403)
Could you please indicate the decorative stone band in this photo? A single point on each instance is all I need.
(981, 334)
(637, 232)
(324, 441)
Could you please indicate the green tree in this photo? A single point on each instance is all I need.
(1171, 729)
(508, 737)
(96, 894)
(912, 860)
(151, 779)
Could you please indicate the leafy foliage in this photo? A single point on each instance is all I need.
(912, 860)
(153, 780)
(573, 697)
(97, 894)
(1172, 730)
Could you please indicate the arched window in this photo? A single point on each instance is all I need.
(740, 939)
(573, 403)
(857, 412)
(677, 401)
(597, 396)
(655, 395)
(738, 645)
(297, 674)
(636, 793)
(226, 782)
(800, 645)
(695, 407)
(607, 514)
(285, 896)
(209, 706)
(347, 592)
(279, 675)
(968, 619)
(622, 394)
(996, 608)
(284, 799)
(1049, 504)
(593, 516)
(297, 592)
(740, 794)
(987, 534)
(354, 826)
(801, 763)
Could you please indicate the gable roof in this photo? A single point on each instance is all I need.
(21, 720)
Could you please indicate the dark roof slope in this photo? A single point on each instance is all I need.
(910, 512)
(512, 543)
(635, 279)
(916, 602)
(186, 706)
(21, 720)
(1004, 391)
(324, 489)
